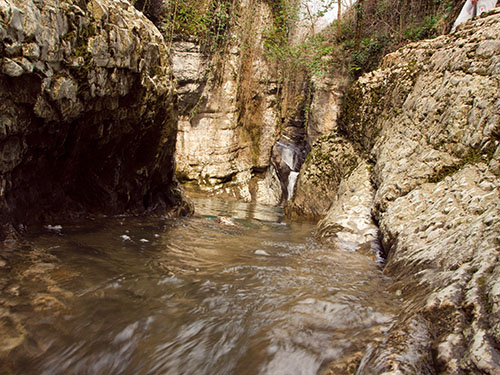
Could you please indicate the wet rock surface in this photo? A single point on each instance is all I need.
(331, 159)
(428, 120)
(88, 121)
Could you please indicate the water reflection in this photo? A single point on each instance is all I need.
(189, 296)
(237, 210)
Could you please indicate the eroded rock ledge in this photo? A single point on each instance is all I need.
(427, 122)
(88, 120)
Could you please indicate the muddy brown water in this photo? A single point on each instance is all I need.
(246, 294)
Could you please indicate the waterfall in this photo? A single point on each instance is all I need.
(289, 157)
(289, 154)
(292, 179)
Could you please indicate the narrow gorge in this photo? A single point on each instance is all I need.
(232, 140)
(225, 187)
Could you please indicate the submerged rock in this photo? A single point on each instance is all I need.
(88, 119)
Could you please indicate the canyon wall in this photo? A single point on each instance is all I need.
(88, 116)
(426, 130)
(229, 116)
(243, 127)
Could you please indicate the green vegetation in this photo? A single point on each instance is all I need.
(205, 21)
(473, 156)
(355, 43)
(311, 54)
(79, 38)
(374, 28)
(365, 33)
(366, 56)
(428, 29)
(82, 44)
(352, 102)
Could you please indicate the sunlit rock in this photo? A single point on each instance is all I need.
(429, 120)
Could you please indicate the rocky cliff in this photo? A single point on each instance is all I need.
(236, 137)
(426, 127)
(88, 117)
(229, 118)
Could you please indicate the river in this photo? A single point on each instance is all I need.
(235, 289)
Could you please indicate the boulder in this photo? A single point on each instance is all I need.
(331, 159)
(88, 112)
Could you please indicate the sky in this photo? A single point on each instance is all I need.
(315, 6)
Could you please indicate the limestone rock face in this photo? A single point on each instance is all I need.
(444, 249)
(432, 107)
(349, 223)
(229, 117)
(88, 121)
(428, 122)
(328, 93)
(429, 119)
(331, 159)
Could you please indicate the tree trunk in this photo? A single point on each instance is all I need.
(359, 21)
(339, 14)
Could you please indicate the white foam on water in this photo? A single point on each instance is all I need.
(262, 252)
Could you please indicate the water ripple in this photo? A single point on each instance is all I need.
(250, 294)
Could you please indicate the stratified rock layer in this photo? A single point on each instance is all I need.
(429, 121)
(88, 121)
(229, 116)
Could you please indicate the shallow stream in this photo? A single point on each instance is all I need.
(235, 289)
